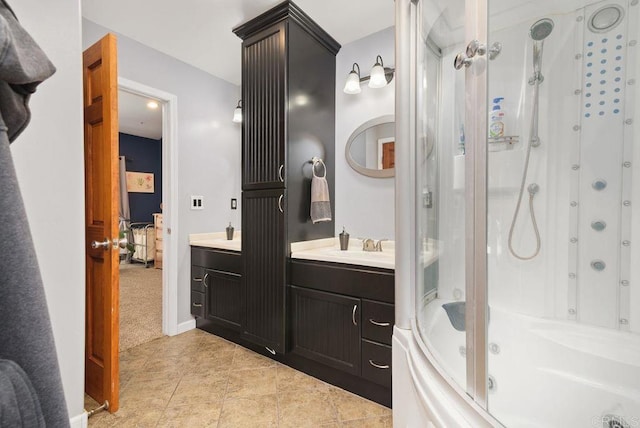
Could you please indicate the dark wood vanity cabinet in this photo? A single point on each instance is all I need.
(325, 327)
(288, 103)
(342, 316)
(216, 293)
(264, 258)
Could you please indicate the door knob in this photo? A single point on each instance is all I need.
(475, 47)
(120, 243)
(105, 245)
(461, 60)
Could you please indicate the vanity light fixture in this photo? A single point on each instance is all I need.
(237, 113)
(379, 78)
(152, 105)
(352, 86)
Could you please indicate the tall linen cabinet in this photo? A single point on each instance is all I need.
(288, 103)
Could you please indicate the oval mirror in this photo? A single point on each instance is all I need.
(370, 148)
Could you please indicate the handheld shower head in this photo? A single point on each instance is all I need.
(541, 29)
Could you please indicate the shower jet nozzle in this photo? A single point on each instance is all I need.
(533, 189)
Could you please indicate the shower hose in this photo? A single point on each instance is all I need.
(534, 136)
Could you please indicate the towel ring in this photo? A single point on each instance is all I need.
(318, 161)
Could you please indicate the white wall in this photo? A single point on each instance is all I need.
(49, 163)
(208, 142)
(364, 205)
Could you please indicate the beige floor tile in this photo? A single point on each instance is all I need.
(305, 409)
(350, 406)
(378, 422)
(288, 379)
(191, 392)
(251, 382)
(195, 414)
(216, 344)
(255, 412)
(246, 359)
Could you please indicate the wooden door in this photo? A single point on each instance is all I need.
(263, 98)
(100, 81)
(388, 155)
(263, 276)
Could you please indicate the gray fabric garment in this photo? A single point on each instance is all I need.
(320, 201)
(25, 329)
(23, 66)
(19, 405)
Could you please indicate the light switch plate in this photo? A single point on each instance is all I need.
(197, 202)
(234, 204)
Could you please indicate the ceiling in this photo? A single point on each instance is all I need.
(135, 118)
(198, 32)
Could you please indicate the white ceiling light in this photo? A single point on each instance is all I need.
(152, 105)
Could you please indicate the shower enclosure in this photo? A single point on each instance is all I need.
(524, 149)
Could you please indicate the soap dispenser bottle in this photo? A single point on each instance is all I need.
(229, 232)
(344, 240)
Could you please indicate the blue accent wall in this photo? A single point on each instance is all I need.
(143, 155)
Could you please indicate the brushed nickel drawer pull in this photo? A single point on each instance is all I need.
(353, 314)
(270, 350)
(280, 203)
(379, 324)
(197, 305)
(197, 279)
(280, 173)
(378, 366)
(204, 280)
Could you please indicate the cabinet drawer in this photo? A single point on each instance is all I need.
(197, 276)
(158, 234)
(376, 362)
(197, 304)
(158, 221)
(377, 321)
(221, 260)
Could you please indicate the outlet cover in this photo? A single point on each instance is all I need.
(197, 202)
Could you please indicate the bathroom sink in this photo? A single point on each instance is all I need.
(355, 256)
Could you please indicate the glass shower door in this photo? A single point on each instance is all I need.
(440, 186)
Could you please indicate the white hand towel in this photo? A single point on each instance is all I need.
(320, 202)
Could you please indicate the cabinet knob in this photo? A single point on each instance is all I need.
(204, 280)
(379, 366)
(379, 324)
(353, 315)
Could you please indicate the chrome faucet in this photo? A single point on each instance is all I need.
(371, 245)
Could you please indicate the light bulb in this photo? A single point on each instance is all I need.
(352, 85)
(378, 78)
(237, 113)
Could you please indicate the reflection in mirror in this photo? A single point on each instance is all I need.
(370, 149)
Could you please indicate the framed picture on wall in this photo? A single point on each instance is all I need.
(140, 182)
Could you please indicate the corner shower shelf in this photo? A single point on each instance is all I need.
(498, 144)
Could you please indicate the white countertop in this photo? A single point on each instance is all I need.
(216, 240)
(328, 250)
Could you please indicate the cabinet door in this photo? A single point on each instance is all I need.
(264, 258)
(325, 327)
(263, 98)
(224, 298)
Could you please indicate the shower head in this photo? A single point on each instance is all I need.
(541, 29)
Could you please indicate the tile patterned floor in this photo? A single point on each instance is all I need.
(200, 380)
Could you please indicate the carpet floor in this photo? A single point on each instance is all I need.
(140, 305)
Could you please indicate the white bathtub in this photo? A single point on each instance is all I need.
(546, 373)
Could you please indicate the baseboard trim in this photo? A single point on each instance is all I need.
(186, 326)
(80, 421)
